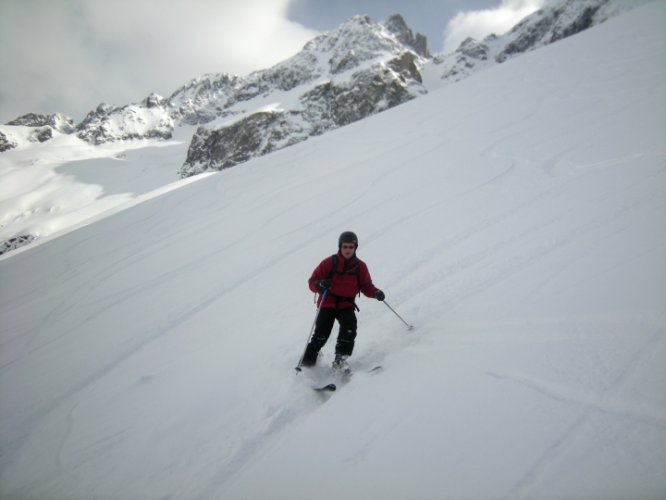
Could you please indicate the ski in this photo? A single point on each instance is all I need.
(326, 388)
(346, 376)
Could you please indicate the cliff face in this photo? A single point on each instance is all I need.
(340, 77)
(550, 24)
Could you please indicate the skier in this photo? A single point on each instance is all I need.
(338, 279)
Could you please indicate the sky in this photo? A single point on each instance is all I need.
(68, 56)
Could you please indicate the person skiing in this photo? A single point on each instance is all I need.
(338, 279)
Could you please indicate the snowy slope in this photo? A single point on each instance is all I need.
(516, 218)
(49, 188)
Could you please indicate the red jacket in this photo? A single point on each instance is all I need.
(351, 278)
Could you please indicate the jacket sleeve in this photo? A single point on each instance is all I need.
(322, 271)
(365, 281)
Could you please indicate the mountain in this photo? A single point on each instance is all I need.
(357, 70)
(555, 21)
(150, 354)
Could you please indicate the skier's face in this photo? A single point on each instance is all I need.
(347, 250)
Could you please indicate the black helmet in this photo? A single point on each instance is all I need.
(347, 237)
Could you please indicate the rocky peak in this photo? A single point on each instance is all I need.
(44, 128)
(339, 77)
(359, 40)
(397, 25)
(6, 142)
(557, 20)
(550, 24)
(202, 99)
(474, 49)
(56, 121)
(149, 119)
(154, 101)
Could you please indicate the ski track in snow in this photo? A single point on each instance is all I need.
(528, 486)
(253, 448)
(288, 411)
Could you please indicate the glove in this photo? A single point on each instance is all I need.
(323, 285)
(379, 295)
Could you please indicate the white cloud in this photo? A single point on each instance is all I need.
(70, 55)
(480, 23)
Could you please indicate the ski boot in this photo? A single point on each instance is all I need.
(340, 364)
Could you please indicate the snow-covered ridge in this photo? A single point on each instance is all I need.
(34, 128)
(149, 119)
(57, 121)
(555, 21)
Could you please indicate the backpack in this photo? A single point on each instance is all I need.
(356, 270)
(334, 270)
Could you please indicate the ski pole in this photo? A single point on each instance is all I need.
(409, 327)
(314, 323)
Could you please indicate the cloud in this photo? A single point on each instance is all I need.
(480, 23)
(69, 56)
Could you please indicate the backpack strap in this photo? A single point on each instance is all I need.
(334, 267)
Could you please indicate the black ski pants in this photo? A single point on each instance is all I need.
(324, 326)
